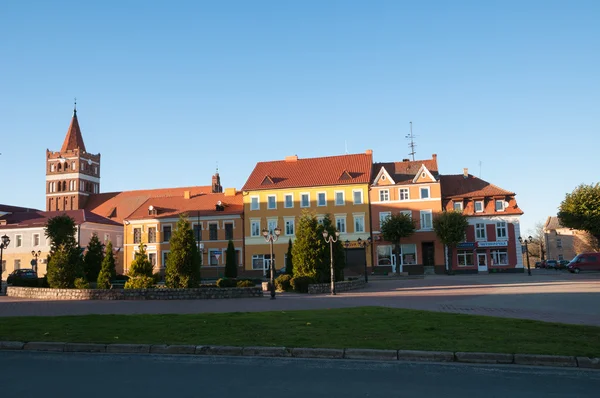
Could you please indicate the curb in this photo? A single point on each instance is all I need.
(315, 353)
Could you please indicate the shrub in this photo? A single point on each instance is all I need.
(157, 276)
(140, 282)
(226, 282)
(245, 283)
(63, 268)
(300, 283)
(283, 282)
(81, 283)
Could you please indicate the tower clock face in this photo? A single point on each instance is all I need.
(89, 162)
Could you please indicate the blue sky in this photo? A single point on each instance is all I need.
(166, 89)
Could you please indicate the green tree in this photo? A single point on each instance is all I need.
(61, 231)
(183, 264)
(581, 209)
(339, 256)
(394, 229)
(450, 227)
(307, 248)
(141, 265)
(92, 260)
(62, 272)
(108, 271)
(289, 268)
(231, 268)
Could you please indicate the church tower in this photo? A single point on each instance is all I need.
(72, 174)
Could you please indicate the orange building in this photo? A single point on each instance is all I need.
(413, 188)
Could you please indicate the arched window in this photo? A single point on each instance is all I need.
(64, 185)
(59, 166)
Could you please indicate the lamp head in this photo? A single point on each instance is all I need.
(265, 232)
(347, 243)
(530, 238)
(5, 240)
(369, 240)
(277, 231)
(359, 241)
(325, 234)
(337, 234)
(520, 239)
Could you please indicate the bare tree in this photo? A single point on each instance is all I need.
(585, 242)
(537, 248)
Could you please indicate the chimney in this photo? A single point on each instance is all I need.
(465, 173)
(369, 151)
(434, 156)
(406, 160)
(230, 191)
(290, 159)
(186, 194)
(216, 183)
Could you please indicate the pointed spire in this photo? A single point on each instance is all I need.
(74, 139)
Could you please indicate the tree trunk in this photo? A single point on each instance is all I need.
(398, 258)
(449, 271)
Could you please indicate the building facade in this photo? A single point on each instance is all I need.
(277, 193)
(491, 243)
(413, 188)
(564, 243)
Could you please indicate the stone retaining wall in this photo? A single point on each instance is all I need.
(133, 294)
(339, 286)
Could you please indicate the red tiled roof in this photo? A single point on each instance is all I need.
(292, 173)
(119, 205)
(39, 218)
(14, 209)
(405, 171)
(74, 139)
(458, 186)
(205, 204)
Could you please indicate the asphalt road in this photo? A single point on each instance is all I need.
(30, 374)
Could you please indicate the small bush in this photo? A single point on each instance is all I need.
(140, 282)
(283, 282)
(158, 277)
(226, 282)
(300, 283)
(81, 283)
(245, 283)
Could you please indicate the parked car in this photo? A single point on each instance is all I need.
(21, 274)
(551, 264)
(585, 262)
(538, 264)
(562, 264)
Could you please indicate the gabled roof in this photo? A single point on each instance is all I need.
(73, 139)
(14, 209)
(202, 204)
(119, 205)
(553, 223)
(404, 172)
(39, 218)
(422, 170)
(456, 185)
(294, 172)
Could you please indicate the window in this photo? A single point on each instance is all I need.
(358, 197)
(228, 231)
(561, 257)
(258, 261)
(17, 264)
(36, 239)
(501, 230)
(152, 258)
(212, 257)
(106, 238)
(407, 213)
(289, 201)
(339, 198)
(52, 167)
(321, 199)
(73, 166)
(458, 206)
(424, 192)
(166, 233)
(137, 235)
(384, 215)
(479, 206)
(426, 219)
(558, 242)
(499, 205)
(499, 257)
(197, 231)
(480, 231)
(409, 254)
(304, 200)
(255, 228)
(359, 224)
(18, 240)
(212, 231)
(384, 195)
(271, 202)
(119, 241)
(289, 227)
(152, 235)
(165, 257)
(403, 194)
(384, 255)
(465, 258)
(271, 225)
(254, 204)
(340, 224)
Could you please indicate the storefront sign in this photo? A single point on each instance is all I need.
(500, 243)
(467, 245)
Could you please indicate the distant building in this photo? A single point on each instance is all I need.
(564, 243)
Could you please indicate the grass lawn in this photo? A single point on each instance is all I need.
(365, 327)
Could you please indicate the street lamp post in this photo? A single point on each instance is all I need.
(4, 242)
(34, 262)
(346, 246)
(272, 237)
(526, 242)
(331, 240)
(365, 244)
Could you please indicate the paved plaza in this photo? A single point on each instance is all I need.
(546, 296)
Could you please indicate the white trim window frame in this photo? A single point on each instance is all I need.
(271, 202)
(360, 200)
(425, 189)
(272, 224)
(403, 194)
(303, 203)
(210, 257)
(163, 258)
(480, 232)
(457, 206)
(342, 195)
(254, 228)
(18, 240)
(499, 257)
(384, 215)
(501, 230)
(340, 224)
(426, 218)
(407, 213)
(384, 195)
(258, 262)
(162, 234)
(324, 196)
(255, 202)
(359, 223)
(499, 202)
(481, 206)
(35, 240)
(290, 226)
(290, 204)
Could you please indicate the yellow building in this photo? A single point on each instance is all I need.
(277, 192)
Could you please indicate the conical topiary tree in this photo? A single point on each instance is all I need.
(141, 265)
(231, 269)
(183, 264)
(61, 231)
(62, 272)
(92, 260)
(306, 250)
(289, 268)
(108, 271)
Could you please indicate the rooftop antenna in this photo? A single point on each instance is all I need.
(412, 144)
(75, 107)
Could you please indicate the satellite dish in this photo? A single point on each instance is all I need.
(219, 203)
(151, 208)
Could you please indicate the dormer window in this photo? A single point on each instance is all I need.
(479, 206)
(458, 206)
(499, 205)
(152, 211)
